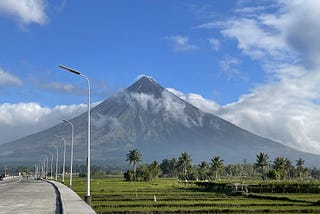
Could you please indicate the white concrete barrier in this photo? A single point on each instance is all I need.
(71, 202)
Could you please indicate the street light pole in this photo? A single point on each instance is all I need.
(51, 164)
(88, 196)
(56, 178)
(45, 165)
(39, 170)
(71, 160)
(42, 169)
(64, 157)
(46, 169)
(38, 174)
(35, 170)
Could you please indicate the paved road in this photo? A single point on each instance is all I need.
(22, 195)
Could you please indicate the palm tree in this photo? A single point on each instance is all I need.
(279, 165)
(184, 161)
(134, 156)
(299, 165)
(288, 168)
(262, 162)
(203, 169)
(216, 165)
(283, 166)
(154, 168)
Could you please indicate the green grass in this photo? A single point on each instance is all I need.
(113, 195)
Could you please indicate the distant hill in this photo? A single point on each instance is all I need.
(148, 117)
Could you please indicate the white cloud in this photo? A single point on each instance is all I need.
(197, 100)
(259, 7)
(285, 116)
(214, 43)
(99, 87)
(167, 105)
(255, 41)
(181, 43)
(229, 68)
(147, 101)
(105, 120)
(62, 87)
(284, 39)
(18, 120)
(175, 109)
(285, 111)
(9, 79)
(299, 25)
(24, 11)
(208, 25)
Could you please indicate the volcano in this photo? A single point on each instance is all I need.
(147, 117)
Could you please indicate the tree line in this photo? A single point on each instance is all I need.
(281, 168)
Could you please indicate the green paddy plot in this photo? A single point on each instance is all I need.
(113, 195)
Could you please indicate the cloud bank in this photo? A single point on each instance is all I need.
(168, 106)
(18, 120)
(7, 79)
(24, 11)
(285, 42)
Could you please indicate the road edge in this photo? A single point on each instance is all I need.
(70, 201)
(59, 204)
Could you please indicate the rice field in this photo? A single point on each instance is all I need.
(113, 195)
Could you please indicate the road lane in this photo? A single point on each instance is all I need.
(10, 179)
(27, 196)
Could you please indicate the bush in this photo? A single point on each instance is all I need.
(82, 175)
(273, 174)
(128, 175)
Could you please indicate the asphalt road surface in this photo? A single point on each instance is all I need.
(27, 195)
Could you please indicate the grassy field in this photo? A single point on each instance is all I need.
(113, 195)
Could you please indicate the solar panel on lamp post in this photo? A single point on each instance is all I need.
(87, 196)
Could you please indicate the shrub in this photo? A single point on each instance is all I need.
(273, 174)
(129, 175)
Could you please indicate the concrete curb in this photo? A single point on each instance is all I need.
(70, 201)
(59, 208)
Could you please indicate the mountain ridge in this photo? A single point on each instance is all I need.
(161, 125)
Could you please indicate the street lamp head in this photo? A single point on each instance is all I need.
(66, 121)
(70, 69)
(62, 119)
(59, 137)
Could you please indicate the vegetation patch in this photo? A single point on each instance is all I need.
(172, 196)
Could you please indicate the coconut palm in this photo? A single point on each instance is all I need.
(154, 169)
(134, 156)
(283, 166)
(299, 165)
(216, 165)
(203, 169)
(169, 167)
(279, 165)
(261, 163)
(184, 161)
(289, 168)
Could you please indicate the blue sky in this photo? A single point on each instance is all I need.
(114, 41)
(254, 63)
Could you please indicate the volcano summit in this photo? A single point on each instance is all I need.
(153, 120)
